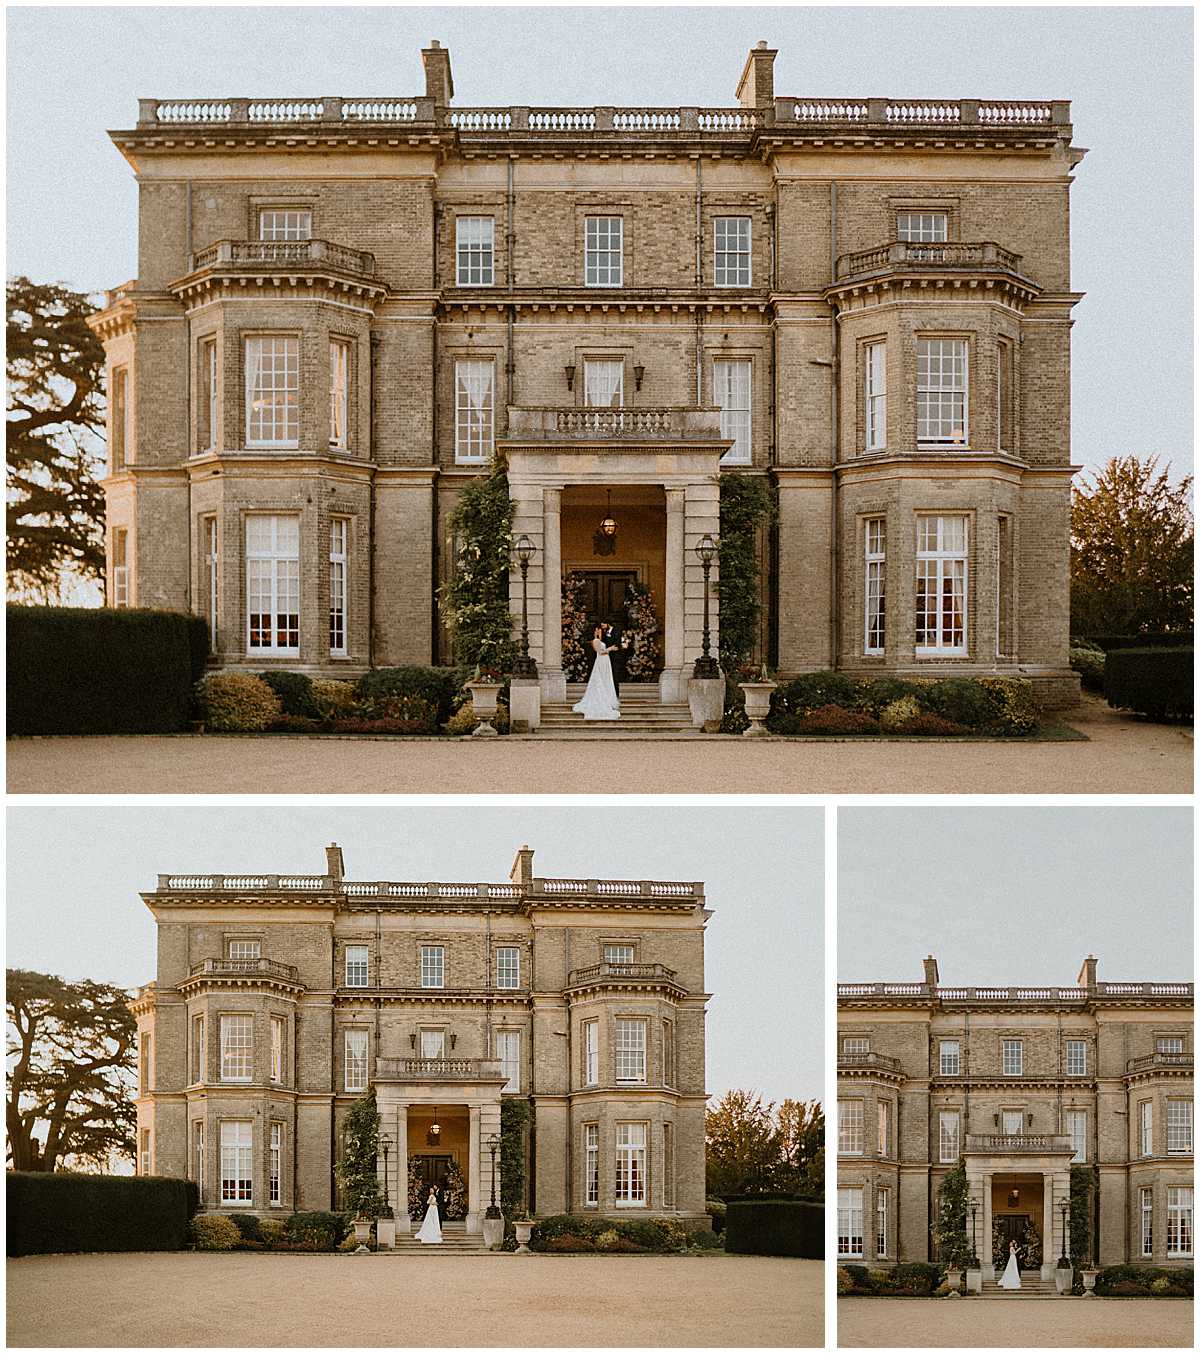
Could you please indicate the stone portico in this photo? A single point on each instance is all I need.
(1002, 1160)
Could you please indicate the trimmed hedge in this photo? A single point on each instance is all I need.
(51, 1214)
(438, 686)
(572, 1233)
(1156, 682)
(1170, 640)
(914, 1280)
(1144, 1281)
(75, 670)
(775, 1227)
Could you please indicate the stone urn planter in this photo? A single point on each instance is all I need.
(1064, 1277)
(1089, 1273)
(758, 706)
(954, 1279)
(362, 1234)
(974, 1280)
(493, 1228)
(523, 1229)
(484, 696)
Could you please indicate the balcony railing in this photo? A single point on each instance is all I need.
(987, 995)
(986, 256)
(1019, 1142)
(632, 888)
(1150, 1060)
(243, 883)
(383, 888)
(880, 1060)
(437, 1069)
(286, 254)
(647, 972)
(418, 889)
(239, 968)
(582, 424)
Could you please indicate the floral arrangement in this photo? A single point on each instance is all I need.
(576, 659)
(642, 631)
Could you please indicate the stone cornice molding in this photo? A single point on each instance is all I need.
(952, 285)
(296, 282)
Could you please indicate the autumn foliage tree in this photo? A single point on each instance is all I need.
(55, 445)
(1132, 536)
(756, 1148)
(70, 1074)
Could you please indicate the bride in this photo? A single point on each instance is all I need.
(431, 1228)
(1012, 1271)
(600, 699)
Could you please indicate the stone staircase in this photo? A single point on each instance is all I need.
(642, 715)
(1032, 1286)
(455, 1241)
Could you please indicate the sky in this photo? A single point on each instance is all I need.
(1006, 897)
(74, 876)
(74, 72)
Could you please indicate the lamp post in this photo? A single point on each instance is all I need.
(523, 665)
(385, 1142)
(493, 1144)
(706, 665)
(974, 1210)
(1062, 1208)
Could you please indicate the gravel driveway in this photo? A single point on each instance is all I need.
(1093, 1323)
(191, 1299)
(1123, 756)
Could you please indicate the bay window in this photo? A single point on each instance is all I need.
(850, 1127)
(339, 532)
(273, 584)
(237, 1162)
(1179, 1220)
(339, 392)
(942, 392)
(850, 1221)
(273, 391)
(631, 1051)
(237, 1048)
(631, 1165)
(591, 1164)
(941, 591)
(875, 562)
(875, 396)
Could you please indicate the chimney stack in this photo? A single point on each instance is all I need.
(931, 971)
(522, 868)
(439, 83)
(1087, 974)
(334, 866)
(756, 88)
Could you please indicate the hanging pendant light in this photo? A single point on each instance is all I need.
(609, 525)
(435, 1130)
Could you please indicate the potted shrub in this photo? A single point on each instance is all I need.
(1064, 1275)
(756, 687)
(523, 1226)
(485, 689)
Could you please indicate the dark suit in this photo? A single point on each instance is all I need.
(613, 638)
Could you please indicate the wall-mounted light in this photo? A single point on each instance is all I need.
(569, 372)
(412, 1041)
(638, 373)
(453, 1040)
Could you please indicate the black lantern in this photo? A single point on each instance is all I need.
(523, 665)
(706, 665)
(638, 373)
(570, 374)
(434, 1136)
(493, 1144)
(604, 542)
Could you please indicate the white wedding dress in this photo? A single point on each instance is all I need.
(600, 699)
(1012, 1273)
(431, 1228)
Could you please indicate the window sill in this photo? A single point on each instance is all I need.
(942, 653)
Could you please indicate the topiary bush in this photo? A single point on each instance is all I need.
(60, 1211)
(247, 1224)
(775, 1227)
(237, 702)
(295, 692)
(316, 1230)
(959, 700)
(215, 1232)
(438, 686)
(1152, 682)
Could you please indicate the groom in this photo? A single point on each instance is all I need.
(614, 639)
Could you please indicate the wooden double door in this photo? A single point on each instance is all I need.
(604, 591)
(1012, 1228)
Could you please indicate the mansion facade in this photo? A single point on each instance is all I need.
(280, 999)
(346, 309)
(1022, 1084)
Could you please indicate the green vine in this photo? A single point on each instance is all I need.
(950, 1228)
(514, 1115)
(748, 503)
(357, 1172)
(1083, 1185)
(474, 602)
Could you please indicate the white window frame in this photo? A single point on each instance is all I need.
(731, 251)
(855, 1045)
(733, 393)
(1012, 1123)
(1179, 1221)
(632, 1153)
(1076, 1123)
(949, 1136)
(242, 949)
(1146, 1128)
(604, 383)
(237, 1048)
(433, 966)
(603, 251)
(281, 400)
(212, 563)
(145, 1159)
(881, 1222)
(850, 1221)
(875, 395)
(591, 1052)
(1146, 1212)
(278, 1045)
(118, 457)
(941, 564)
(668, 1053)
(850, 1128)
(591, 1165)
(120, 573)
(474, 409)
(883, 1127)
(358, 965)
(197, 1156)
(237, 1163)
(339, 393)
(475, 251)
(949, 1058)
(285, 223)
(619, 954)
(339, 559)
(198, 1049)
(875, 585)
(917, 227)
(209, 390)
(273, 582)
(1168, 1044)
(433, 1043)
(630, 1051)
(356, 1044)
(275, 1164)
(1179, 1127)
(508, 967)
(508, 1051)
(943, 392)
(1076, 1057)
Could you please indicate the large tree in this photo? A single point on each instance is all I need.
(742, 1145)
(70, 1074)
(801, 1147)
(55, 445)
(1131, 551)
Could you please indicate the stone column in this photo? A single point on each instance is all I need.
(1050, 1248)
(554, 685)
(400, 1208)
(673, 682)
(474, 1208)
(985, 1241)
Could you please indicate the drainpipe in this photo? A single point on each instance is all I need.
(699, 221)
(187, 395)
(295, 1111)
(834, 417)
(699, 356)
(434, 633)
(511, 232)
(372, 544)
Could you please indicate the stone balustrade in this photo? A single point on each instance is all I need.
(438, 1069)
(236, 968)
(574, 423)
(597, 888)
(1151, 1060)
(1019, 1142)
(985, 256)
(644, 972)
(286, 254)
(879, 1060)
(243, 883)
(359, 889)
(1101, 991)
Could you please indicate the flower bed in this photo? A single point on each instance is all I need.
(1143, 1281)
(303, 1232)
(899, 1281)
(571, 1234)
